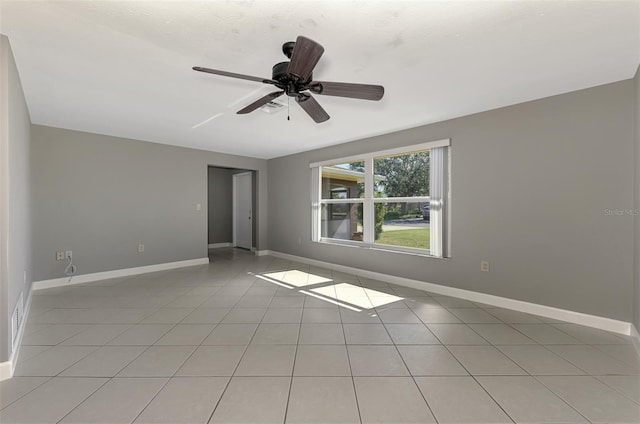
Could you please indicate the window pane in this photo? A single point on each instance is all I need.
(404, 175)
(342, 221)
(343, 181)
(403, 224)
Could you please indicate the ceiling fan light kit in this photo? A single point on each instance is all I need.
(295, 79)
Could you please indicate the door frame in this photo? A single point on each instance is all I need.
(235, 207)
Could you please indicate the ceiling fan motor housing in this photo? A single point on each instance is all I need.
(289, 83)
(279, 72)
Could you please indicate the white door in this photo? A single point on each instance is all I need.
(242, 213)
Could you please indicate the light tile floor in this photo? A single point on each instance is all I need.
(250, 339)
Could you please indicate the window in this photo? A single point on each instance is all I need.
(394, 199)
(342, 197)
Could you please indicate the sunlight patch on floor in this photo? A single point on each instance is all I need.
(335, 302)
(342, 294)
(356, 295)
(297, 278)
(273, 280)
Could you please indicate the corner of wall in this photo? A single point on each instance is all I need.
(16, 205)
(4, 204)
(636, 205)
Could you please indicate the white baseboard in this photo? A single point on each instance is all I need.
(7, 368)
(593, 321)
(263, 252)
(87, 278)
(219, 245)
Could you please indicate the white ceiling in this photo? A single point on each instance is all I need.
(124, 68)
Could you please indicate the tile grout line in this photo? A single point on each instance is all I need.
(177, 369)
(84, 400)
(152, 398)
(140, 354)
(403, 361)
(293, 369)
(527, 373)
(346, 348)
(26, 393)
(409, 371)
(295, 355)
(235, 369)
(480, 385)
(461, 364)
(620, 392)
(561, 398)
(130, 362)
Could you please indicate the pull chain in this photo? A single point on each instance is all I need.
(288, 118)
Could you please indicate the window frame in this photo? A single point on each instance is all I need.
(439, 198)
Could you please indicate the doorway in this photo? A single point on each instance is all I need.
(220, 210)
(243, 210)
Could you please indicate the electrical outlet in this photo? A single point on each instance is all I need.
(198, 206)
(484, 266)
(68, 254)
(60, 255)
(140, 248)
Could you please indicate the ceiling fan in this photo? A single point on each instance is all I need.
(294, 78)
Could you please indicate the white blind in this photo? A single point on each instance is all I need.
(436, 203)
(316, 182)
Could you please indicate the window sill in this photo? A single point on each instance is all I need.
(380, 248)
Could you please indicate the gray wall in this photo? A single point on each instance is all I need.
(15, 212)
(220, 205)
(530, 184)
(100, 196)
(636, 218)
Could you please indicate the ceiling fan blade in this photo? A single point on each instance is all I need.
(233, 75)
(312, 107)
(345, 89)
(304, 58)
(260, 102)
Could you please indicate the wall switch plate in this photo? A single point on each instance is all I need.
(140, 248)
(484, 266)
(198, 206)
(60, 255)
